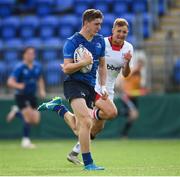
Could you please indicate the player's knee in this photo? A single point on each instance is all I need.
(112, 113)
(36, 120)
(35, 117)
(86, 122)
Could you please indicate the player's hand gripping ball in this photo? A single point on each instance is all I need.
(79, 55)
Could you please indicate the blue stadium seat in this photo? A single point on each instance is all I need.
(71, 20)
(10, 66)
(65, 31)
(109, 2)
(12, 50)
(132, 39)
(52, 48)
(66, 5)
(162, 7)
(131, 21)
(147, 25)
(80, 7)
(28, 27)
(34, 42)
(11, 55)
(49, 54)
(101, 6)
(6, 7)
(89, 2)
(1, 48)
(139, 6)
(120, 7)
(3, 72)
(109, 19)
(47, 26)
(106, 30)
(26, 6)
(44, 7)
(52, 43)
(176, 72)
(1, 44)
(9, 27)
(53, 73)
(14, 43)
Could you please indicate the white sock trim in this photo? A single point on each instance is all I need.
(77, 148)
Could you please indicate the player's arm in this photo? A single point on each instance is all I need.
(12, 80)
(41, 86)
(126, 68)
(70, 67)
(102, 77)
(102, 71)
(12, 83)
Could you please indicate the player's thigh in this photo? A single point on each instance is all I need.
(81, 111)
(107, 106)
(97, 127)
(21, 101)
(32, 109)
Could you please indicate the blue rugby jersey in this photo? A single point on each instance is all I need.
(29, 77)
(96, 46)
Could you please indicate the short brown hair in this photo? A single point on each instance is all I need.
(91, 14)
(120, 22)
(26, 49)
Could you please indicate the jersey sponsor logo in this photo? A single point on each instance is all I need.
(98, 45)
(98, 49)
(113, 68)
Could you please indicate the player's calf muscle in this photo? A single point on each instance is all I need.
(107, 110)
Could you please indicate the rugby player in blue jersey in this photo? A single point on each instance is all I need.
(25, 79)
(79, 87)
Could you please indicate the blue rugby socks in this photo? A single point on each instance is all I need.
(87, 159)
(26, 126)
(61, 110)
(19, 115)
(26, 130)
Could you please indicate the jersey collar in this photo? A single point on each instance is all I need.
(84, 37)
(114, 47)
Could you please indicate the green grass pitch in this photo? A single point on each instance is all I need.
(119, 157)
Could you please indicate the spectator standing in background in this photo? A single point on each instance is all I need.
(130, 88)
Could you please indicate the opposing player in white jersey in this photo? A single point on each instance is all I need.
(118, 54)
(115, 60)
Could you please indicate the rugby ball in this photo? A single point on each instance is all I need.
(78, 55)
